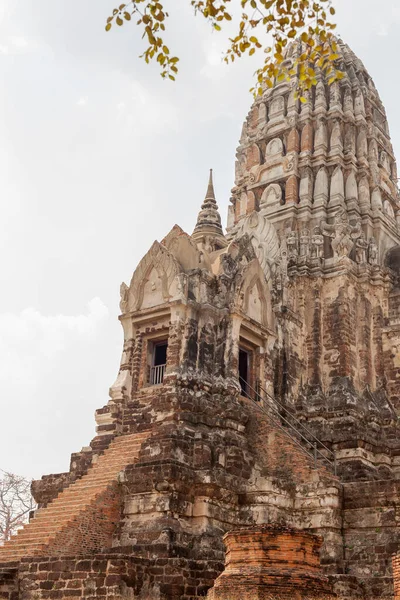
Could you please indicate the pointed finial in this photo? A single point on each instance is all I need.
(210, 195)
(209, 221)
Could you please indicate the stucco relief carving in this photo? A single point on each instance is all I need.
(388, 209)
(364, 193)
(361, 249)
(372, 252)
(277, 107)
(271, 196)
(183, 248)
(292, 244)
(304, 243)
(359, 106)
(158, 269)
(273, 148)
(317, 244)
(263, 237)
(252, 294)
(342, 233)
(124, 294)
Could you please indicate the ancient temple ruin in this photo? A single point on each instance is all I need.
(258, 395)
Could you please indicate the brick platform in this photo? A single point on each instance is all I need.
(269, 562)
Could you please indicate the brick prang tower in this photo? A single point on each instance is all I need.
(259, 389)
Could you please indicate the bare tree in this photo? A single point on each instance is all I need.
(16, 502)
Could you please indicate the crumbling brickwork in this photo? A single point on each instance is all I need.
(265, 562)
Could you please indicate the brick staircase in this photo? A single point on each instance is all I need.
(90, 499)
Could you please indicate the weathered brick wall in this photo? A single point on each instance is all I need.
(371, 519)
(8, 582)
(214, 462)
(396, 576)
(391, 359)
(336, 375)
(105, 576)
(93, 529)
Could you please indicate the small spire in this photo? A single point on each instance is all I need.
(210, 195)
(209, 220)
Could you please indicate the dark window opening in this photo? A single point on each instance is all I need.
(160, 354)
(244, 371)
(158, 362)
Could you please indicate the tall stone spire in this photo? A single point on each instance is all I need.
(208, 231)
(299, 164)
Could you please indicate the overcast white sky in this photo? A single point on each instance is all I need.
(99, 157)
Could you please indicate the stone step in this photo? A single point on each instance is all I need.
(74, 500)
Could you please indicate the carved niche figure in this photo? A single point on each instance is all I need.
(349, 140)
(364, 194)
(304, 242)
(359, 106)
(262, 113)
(336, 138)
(320, 95)
(384, 161)
(317, 243)
(124, 293)
(372, 252)
(271, 196)
(342, 233)
(263, 237)
(291, 243)
(277, 107)
(388, 209)
(348, 102)
(361, 249)
(334, 96)
(373, 150)
(305, 106)
(207, 244)
(274, 147)
(362, 144)
(321, 136)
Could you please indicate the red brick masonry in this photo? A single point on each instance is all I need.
(396, 576)
(269, 562)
